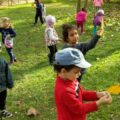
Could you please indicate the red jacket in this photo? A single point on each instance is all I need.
(69, 100)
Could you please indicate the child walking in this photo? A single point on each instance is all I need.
(69, 94)
(71, 37)
(38, 12)
(81, 19)
(97, 4)
(51, 37)
(8, 34)
(98, 21)
(6, 81)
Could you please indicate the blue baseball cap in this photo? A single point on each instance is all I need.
(71, 56)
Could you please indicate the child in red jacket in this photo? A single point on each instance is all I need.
(69, 94)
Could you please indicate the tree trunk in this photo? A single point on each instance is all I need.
(26, 1)
(78, 5)
(86, 4)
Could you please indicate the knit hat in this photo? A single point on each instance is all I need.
(100, 11)
(50, 20)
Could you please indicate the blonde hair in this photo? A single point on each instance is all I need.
(3, 20)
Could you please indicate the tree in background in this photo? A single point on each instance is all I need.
(86, 4)
(78, 5)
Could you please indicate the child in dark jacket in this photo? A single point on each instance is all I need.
(38, 6)
(71, 37)
(8, 34)
(73, 102)
(6, 81)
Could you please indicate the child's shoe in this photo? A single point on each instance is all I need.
(5, 113)
(15, 60)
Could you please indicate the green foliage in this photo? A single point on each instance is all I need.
(50, 1)
(35, 79)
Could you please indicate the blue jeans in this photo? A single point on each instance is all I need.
(11, 54)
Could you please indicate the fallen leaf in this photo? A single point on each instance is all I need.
(32, 112)
(115, 89)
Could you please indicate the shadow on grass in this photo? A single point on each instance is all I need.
(20, 73)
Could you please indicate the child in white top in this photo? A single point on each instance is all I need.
(51, 37)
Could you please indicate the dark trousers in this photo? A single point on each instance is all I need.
(3, 96)
(38, 15)
(11, 54)
(3, 40)
(80, 24)
(51, 55)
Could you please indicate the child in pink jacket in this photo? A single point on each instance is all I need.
(81, 19)
(97, 4)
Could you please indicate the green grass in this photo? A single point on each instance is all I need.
(35, 79)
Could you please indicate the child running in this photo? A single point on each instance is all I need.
(51, 37)
(6, 81)
(69, 94)
(71, 37)
(8, 34)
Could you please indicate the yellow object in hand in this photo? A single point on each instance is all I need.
(102, 24)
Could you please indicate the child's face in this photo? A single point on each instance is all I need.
(73, 36)
(6, 24)
(73, 74)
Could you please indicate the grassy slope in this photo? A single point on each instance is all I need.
(34, 78)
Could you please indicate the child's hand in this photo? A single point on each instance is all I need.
(101, 94)
(60, 40)
(107, 99)
(109, 96)
(8, 36)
